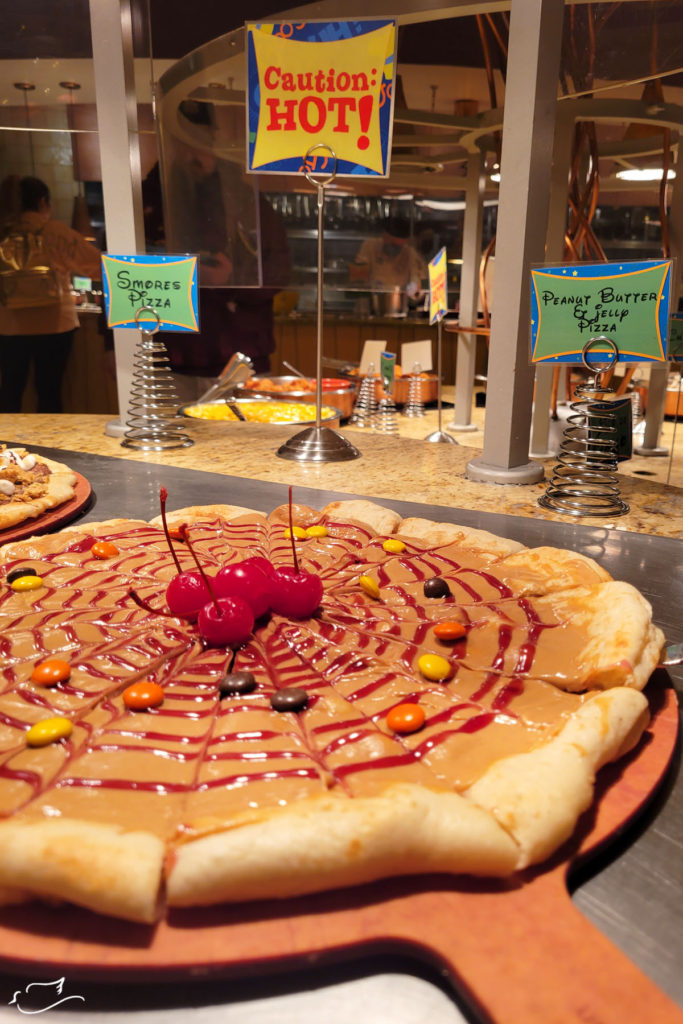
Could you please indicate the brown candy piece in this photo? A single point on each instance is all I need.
(289, 698)
(436, 587)
(236, 682)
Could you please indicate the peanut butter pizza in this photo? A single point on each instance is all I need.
(223, 705)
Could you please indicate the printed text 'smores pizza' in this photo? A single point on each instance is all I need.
(459, 694)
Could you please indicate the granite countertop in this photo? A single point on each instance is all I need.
(390, 467)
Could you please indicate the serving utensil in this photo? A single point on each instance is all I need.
(237, 369)
(292, 369)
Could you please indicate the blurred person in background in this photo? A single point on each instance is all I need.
(41, 336)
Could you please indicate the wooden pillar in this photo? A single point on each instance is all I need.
(528, 126)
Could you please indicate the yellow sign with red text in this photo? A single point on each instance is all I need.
(438, 292)
(306, 90)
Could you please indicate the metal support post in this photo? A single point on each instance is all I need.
(528, 126)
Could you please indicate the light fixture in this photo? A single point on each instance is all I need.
(441, 204)
(26, 88)
(644, 174)
(80, 217)
(495, 176)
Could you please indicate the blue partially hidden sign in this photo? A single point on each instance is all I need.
(164, 287)
(625, 302)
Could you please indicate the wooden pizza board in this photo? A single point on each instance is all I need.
(55, 517)
(517, 950)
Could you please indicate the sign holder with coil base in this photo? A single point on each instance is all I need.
(584, 479)
(152, 425)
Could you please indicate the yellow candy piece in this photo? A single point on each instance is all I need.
(369, 586)
(27, 583)
(49, 731)
(393, 546)
(298, 531)
(434, 667)
(316, 531)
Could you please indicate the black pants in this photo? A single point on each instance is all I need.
(49, 353)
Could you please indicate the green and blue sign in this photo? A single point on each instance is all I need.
(165, 287)
(625, 302)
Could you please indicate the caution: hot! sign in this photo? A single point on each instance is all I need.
(320, 82)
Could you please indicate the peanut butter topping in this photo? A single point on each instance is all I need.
(202, 759)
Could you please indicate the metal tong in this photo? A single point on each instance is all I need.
(237, 369)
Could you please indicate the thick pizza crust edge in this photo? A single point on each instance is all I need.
(330, 842)
(538, 796)
(197, 513)
(367, 513)
(623, 646)
(438, 534)
(92, 865)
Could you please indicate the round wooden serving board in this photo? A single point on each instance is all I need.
(55, 517)
(518, 950)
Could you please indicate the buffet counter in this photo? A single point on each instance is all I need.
(631, 889)
(390, 468)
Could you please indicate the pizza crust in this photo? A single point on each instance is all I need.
(538, 797)
(197, 513)
(438, 534)
(367, 513)
(90, 864)
(330, 842)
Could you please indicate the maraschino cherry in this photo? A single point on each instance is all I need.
(295, 592)
(222, 621)
(246, 580)
(187, 593)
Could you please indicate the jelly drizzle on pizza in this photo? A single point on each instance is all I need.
(389, 732)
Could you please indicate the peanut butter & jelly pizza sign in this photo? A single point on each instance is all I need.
(625, 302)
(320, 82)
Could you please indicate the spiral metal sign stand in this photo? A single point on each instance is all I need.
(152, 425)
(584, 481)
(318, 443)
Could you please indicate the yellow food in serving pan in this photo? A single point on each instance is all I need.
(260, 412)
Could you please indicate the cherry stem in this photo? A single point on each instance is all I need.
(291, 532)
(147, 607)
(163, 495)
(182, 530)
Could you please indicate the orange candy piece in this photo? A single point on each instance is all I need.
(143, 695)
(450, 631)
(104, 549)
(406, 718)
(175, 533)
(51, 672)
